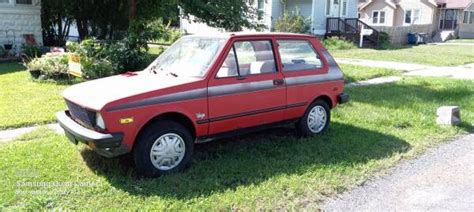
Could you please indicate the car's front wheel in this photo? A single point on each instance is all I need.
(315, 120)
(163, 147)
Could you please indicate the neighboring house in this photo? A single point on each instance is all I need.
(318, 11)
(20, 19)
(439, 19)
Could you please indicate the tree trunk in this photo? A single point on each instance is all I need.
(133, 10)
(82, 28)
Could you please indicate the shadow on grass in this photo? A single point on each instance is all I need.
(252, 159)
(11, 67)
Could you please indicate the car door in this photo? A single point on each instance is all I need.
(247, 90)
(305, 72)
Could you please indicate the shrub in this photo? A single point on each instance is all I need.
(50, 66)
(93, 68)
(293, 22)
(31, 51)
(3, 52)
(384, 39)
(336, 43)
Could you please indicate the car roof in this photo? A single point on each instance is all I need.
(252, 34)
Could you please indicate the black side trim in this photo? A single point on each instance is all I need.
(343, 98)
(250, 113)
(243, 131)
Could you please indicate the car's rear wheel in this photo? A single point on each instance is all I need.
(315, 120)
(163, 147)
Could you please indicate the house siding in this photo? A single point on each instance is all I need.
(467, 30)
(395, 18)
(21, 19)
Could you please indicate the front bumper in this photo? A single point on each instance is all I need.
(107, 145)
(343, 98)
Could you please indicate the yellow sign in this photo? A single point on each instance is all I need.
(75, 67)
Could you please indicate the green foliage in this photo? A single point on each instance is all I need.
(338, 43)
(51, 66)
(384, 39)
(293, 22)
(31, 51)
(93, 68)
(3, 52)
(101, 59)
(231, 15)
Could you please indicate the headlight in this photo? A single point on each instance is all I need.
(99, 121)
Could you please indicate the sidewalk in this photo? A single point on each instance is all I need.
(383, 64)
(9, 135)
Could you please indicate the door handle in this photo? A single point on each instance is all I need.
(278, 82)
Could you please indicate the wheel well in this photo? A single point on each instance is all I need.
(178, 117)
(326, 99)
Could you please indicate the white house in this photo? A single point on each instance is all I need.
(17, 19)
(318, 11)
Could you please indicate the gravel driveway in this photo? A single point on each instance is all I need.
(440, 180)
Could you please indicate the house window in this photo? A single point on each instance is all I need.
(378, 17)
(468, 17)
(412, 16)
(344, 7)
(261, 5)
(26, 2)
(328, 7)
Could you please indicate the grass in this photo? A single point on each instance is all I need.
(354, 73)
(156, 51)
(461, 41)
(436, 55)
(269, 170)
(24, 101)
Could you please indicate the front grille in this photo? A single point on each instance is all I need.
(81, 115)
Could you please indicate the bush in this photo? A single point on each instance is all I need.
(338, 43)
(50, 66)
(293, 22)
(3, 52)
(31, 51)
(93, 68)
(384, 39)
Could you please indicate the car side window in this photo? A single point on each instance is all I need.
(298, 55)
(248, 57)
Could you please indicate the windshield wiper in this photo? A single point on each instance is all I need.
(173, 74)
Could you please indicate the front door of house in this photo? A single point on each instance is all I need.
(333, 8)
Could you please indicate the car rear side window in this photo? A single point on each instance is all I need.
(248, 57)
(298, 55)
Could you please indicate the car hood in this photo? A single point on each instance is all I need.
(96, 94)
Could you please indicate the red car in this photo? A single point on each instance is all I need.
(203, 88)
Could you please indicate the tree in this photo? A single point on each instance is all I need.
(232, 15)
(111, 19)
(56, 22)
(293, 22)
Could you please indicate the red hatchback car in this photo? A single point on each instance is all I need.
(203, 88)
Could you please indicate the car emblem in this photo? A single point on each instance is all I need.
(200, 115)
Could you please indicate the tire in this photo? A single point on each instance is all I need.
(321, 109)
(172, 145)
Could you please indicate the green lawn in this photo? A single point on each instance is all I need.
(461, 41)
(437, 55)
(26, 102)
(270, 170)
(354, 73)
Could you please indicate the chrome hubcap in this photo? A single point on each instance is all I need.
(167, 151)
(317, 119)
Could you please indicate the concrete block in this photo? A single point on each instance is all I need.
(448, 115)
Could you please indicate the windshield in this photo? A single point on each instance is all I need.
(189, 56)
